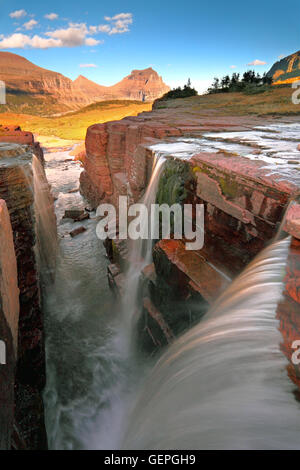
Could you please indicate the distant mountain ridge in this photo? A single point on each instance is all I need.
(286, 70)
(27, 83)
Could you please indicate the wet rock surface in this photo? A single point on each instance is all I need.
(240, 173)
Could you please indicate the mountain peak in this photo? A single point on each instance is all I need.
(23, 76)
(286, 70)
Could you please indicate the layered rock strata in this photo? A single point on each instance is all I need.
(244, 205)
(9, 317)
(16, 189)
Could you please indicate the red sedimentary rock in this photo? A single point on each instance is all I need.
(30, 80)
(16, 189)
(288, 311)
(16, 135)
(9, 315)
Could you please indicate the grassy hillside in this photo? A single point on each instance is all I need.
(74, 125)
(276, 100)
(29, 103)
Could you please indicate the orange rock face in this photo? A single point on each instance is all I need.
(140, 85)
(21, 75)
(16, 190)
(288, 311)
(244, 207)
(16, 135)
(114, 148)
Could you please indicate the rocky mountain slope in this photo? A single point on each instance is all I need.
(32, 88)
(140, 85)
(286, 70)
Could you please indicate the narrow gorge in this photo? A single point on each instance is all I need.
(144, 344)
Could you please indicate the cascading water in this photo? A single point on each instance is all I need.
(109, 425)
(91, 367)
(223, 384)
(45, 230)
(141, 249)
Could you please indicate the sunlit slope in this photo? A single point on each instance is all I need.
(74, 125)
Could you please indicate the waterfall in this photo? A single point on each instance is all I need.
(46, 231)
(141, 249)
(88, 394)
(223, 385)
(126, 369)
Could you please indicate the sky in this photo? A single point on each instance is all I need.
(105, 41)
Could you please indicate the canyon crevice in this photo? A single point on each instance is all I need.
(244, 202)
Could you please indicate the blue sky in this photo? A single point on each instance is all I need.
(106, 40)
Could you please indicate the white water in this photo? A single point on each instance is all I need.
(92, 371)
(108, 429)
(223, 385)
(141, 249)
(84, 354)
(275, 145)
(45, 218)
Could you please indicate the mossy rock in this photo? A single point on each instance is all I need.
(174, 182)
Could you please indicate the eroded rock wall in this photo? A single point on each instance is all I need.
(244, 205)
(9, 316)
(16, 189)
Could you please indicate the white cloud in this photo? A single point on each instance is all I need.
(257, 62)
(51, 16)
(93, 42)
(88, 66)
(30, 24)
(18, 14)
(117, 24)
(75, 35)
(104, 28)
(20, 41)
(233, 66)
(70, 37)
(93, 29)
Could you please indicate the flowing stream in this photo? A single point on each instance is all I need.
(223, 384)
(84, 348)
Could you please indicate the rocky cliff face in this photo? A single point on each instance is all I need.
(244, 205)
(9, 317)
(16, 189)
(140, 85)
(286, 70)
(26, 82)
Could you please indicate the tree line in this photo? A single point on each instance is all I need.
(249, 80)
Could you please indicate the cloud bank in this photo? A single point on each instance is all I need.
(75, 35)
